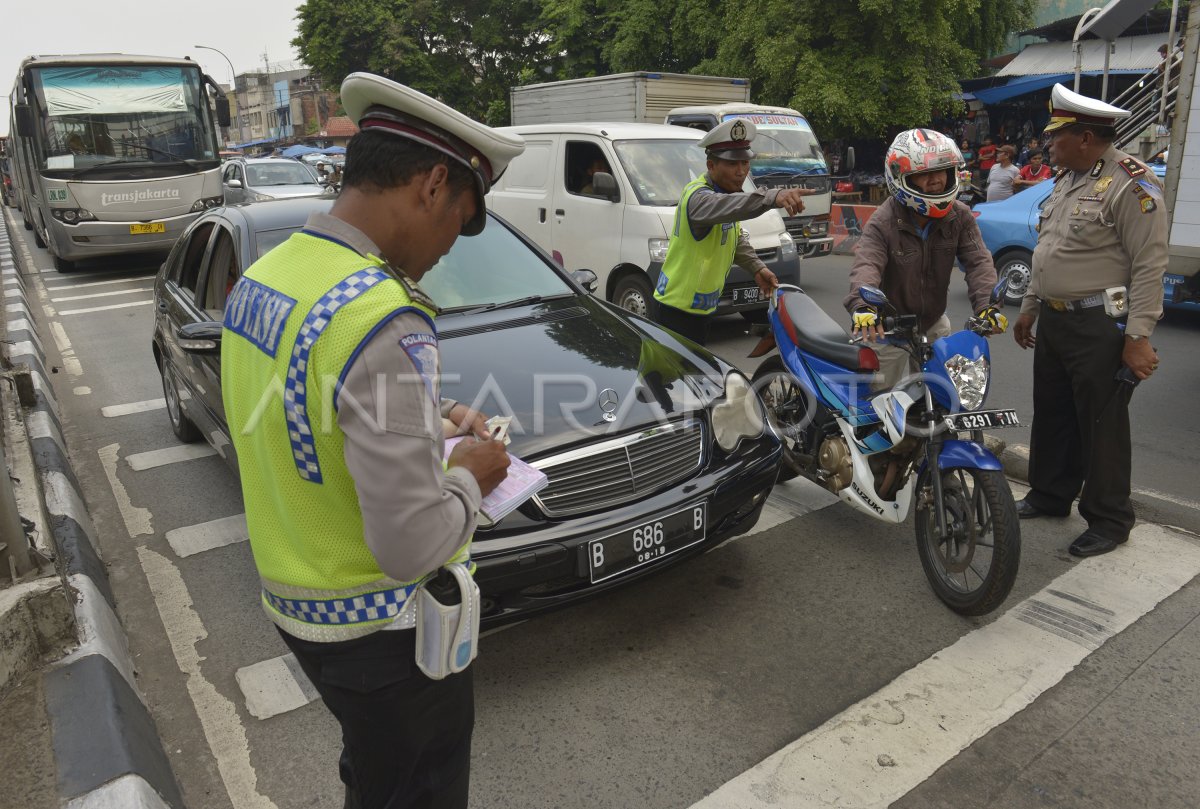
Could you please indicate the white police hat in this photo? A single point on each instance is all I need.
(730, 140)
(374, 102)
(1068, 107)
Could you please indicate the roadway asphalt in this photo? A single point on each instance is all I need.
(670, 692)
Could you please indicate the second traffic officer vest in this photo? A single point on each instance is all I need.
(694, 272)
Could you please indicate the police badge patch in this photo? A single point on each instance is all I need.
(423, 352)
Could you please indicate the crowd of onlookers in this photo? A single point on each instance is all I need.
(1006, 169)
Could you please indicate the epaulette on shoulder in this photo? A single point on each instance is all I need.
(1132, 167)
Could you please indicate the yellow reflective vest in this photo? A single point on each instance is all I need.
(694, 272)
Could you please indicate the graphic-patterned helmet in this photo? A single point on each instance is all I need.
(917, 151)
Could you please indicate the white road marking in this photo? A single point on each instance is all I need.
(141, 461)
(275, 686)
(131, 280)
(70, 361)
(89, 296)
(104, 308)
(787, 501)
(82, 390)
(219, 720)
(878, 750)
(193, 539)
(137, 520)
(112, 411)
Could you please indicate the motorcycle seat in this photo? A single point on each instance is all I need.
(817, 333)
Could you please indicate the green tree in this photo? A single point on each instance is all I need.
(466, 53)
(863, 66)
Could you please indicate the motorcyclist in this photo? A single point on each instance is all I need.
(909, 246)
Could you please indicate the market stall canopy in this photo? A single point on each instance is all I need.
(299, 151)
(1132, 55)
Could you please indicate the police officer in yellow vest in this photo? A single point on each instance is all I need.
(330, 372)
(707, 239)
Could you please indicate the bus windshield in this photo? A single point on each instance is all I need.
(96, 115)
(783, 145)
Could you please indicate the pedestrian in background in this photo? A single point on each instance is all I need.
(987, 156)
(1034, 173)
(349, 504)
(1095, 295)
(707, 238)
(1000, 178)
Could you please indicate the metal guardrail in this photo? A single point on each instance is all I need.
(1144, 100)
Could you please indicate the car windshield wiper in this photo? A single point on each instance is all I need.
(191, 164)
(491, 307)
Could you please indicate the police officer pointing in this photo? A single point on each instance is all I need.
(331, 384)
(706, 239)
(1096, 295)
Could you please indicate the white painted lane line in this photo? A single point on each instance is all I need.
(104, 308)
(92, 295)
(82, 390)
(112, 411)
(70, 361)
(275, 686)
(223, 729)
(141, 461)
(787, 501)
(137, 520)
(64, 287)
(878, 750)
(193, 539)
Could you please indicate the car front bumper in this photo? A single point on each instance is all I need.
(550, 568)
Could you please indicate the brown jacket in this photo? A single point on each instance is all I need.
(915, 273)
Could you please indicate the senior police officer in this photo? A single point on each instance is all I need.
(330, 373)
(707, 239)
(1096, 295)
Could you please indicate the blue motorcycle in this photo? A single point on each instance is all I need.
(883, 451)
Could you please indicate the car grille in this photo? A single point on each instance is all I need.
(618, 471)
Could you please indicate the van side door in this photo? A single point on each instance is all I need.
(587, 225)
(523, 195)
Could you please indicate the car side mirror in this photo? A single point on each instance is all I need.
(586, 279)
(873, 296)
(200, 338)
(605, 185)
(234, 183)
(222, 111)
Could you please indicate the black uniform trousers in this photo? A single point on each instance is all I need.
(406, 739)
(1080, 436)
(692, 326)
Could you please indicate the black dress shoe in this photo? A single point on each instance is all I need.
(1028, 511)
(1090, 544)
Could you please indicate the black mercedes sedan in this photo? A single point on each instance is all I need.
(655, 449)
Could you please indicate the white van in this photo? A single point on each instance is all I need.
(618, 227)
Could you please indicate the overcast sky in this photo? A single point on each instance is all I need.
(243, 29)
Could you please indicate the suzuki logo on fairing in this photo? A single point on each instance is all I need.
(863, 496)
(608, 404)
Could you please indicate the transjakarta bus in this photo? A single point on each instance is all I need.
(111, 153)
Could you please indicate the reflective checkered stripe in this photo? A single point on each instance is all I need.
(295, 401)
(380, 606)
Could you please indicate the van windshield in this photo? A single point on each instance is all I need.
(783, 145)
(659, 169)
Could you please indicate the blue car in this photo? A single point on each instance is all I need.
(1008, 229)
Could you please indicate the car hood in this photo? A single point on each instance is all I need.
(288, 191)
(568, 362)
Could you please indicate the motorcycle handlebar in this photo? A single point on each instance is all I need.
(900, 322)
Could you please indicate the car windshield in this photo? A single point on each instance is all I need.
(659, 169)
(281, 172)
(784, 144)
(494, 267)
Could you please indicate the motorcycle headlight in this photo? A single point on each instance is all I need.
(738, 414)
(970, 379)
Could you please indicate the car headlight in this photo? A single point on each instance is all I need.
(738, 414)
(970, 379)
(658, 249)
(787, 245)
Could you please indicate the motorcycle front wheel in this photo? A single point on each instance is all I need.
(973, 568)
(787, 410)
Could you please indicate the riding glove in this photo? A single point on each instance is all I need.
(992, 315)
(864, 318)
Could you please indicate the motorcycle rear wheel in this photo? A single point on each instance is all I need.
(972, 571)
(787, 410)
